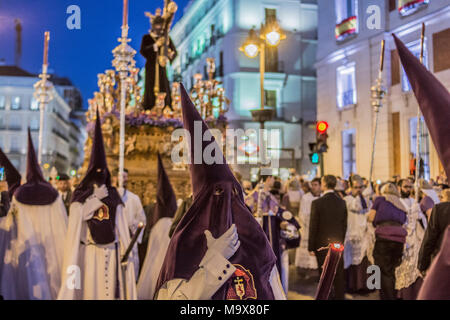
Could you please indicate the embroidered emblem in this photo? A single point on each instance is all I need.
(241, 285)
(102, 213)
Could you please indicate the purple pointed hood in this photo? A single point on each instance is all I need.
(436, 285)
(218, 203)
(433, 99)
(36, 191)
(201, 174)
(13, 176)
(166, 201)
(97, 172)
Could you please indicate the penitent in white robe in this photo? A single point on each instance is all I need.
(33, 254)
(302, 257)
(158, 243)
(90, 270)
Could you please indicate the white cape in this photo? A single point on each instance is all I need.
(33, 250)
(358, 238)
(302, 257)
(90, 271)
(158, 243)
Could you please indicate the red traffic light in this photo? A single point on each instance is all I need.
(322, 126)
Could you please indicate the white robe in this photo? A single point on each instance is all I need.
(407, 272)
(33, 255)
(358, 237)
(158, 243)
(302, 257)
(97, 264)
(205, 282)
(134, 213)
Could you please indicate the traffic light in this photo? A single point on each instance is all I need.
(322, 127)
(321, 135)
(314, 157)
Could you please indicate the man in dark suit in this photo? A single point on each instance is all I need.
(439, 220)
(328, 224)
(63, 186)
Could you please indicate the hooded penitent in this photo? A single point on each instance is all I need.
(166, 201)
(102, 224)
(218, 203)
(12, 175)
(36, 191)
(434, 102)
(436, 285)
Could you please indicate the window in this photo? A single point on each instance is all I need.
(395, 68)
(34, 104)
(346, 18)
(392, 5)
(15, 103)
(15, 123)
(424, 145)
(414, 47)
(14, 144)
(407, 7)
(270, 98)
(271, 14)
(441, 51)
(2, 102)
(346, 86)
(348, 152)
(34, 124)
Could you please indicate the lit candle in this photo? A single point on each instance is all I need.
(46, 40)
(125, 13)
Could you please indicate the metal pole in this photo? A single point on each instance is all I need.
(378, 93)
(123, 62)
(262, 70)
(43, 94)
(123, 94)
(418, 127)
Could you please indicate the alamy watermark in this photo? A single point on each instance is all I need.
(74, 20)
(237, 146)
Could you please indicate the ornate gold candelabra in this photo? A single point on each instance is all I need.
(209, 95)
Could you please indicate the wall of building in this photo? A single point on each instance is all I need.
(294, 82)
(364, 51)
(57, 143)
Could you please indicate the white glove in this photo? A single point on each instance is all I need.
(100, 192)
(226, 245)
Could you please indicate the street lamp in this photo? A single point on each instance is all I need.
(270, 33)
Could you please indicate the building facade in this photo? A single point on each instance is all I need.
(347, 66)
(63, 137)
(217, 29)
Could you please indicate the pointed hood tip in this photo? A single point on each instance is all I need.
(202, 174)
(36, 191)
(166, 201)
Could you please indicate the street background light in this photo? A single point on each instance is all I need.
(270, 33)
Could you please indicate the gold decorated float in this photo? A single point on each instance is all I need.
(148, 132)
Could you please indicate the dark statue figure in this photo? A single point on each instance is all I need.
(158, 49)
